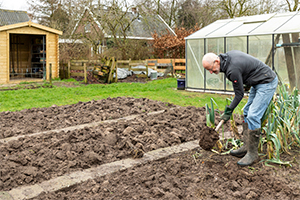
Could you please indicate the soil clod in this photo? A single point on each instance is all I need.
(208, 138)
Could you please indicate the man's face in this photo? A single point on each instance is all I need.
(214, 68)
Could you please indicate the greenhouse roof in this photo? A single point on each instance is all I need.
(275, 23)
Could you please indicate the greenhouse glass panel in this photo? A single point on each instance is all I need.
(215, 81)
(280, 66)
(235, 43)
(226, 28)
(272, 24)
(289, 26)
(287, 60)
(195, 71)
(261, 47)
(245, 28)
(209, 29)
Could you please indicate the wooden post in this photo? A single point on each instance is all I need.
(65, 71)
(289, 61)
(69, 69)
(146, 69)
(85, 73)
(116, 71)
(173, 64)
(111, 73)
(296, 51)
(50, 74)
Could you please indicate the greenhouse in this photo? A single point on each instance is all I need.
(272, 38)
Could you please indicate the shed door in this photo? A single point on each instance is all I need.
(27, 57)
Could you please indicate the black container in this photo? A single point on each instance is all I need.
(180, 84)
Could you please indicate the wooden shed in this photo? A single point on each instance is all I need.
(27, 51)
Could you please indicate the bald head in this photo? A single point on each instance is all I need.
(208, 59)
(211, 62)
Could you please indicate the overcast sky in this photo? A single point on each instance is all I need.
(14, 4)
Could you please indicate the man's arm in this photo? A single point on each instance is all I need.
(237, 83)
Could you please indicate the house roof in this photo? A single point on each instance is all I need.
(141, 28)
(8, 17)
(267, 24)
(30, 24)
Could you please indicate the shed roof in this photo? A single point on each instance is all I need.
(30, 24)
(274, 23)
(8, 17)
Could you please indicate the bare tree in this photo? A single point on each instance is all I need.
(199, 12)
(167, 9)
(266, 6)
(110, 25)
(238, 8)
(58, 14)
(50, 13)
(116, 18)
(293, 5)
(169, 13)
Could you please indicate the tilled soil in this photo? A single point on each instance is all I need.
(34, 159)
(196, 174)
(35, 120)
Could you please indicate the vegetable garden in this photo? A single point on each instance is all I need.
(74, 142)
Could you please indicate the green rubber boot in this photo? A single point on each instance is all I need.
(241, 152)
(252, 151)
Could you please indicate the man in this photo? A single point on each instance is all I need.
(243, 69)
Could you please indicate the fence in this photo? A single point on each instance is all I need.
(177, 63)
(102, 69)
(75, 66)
(134, 65)
(107, 68)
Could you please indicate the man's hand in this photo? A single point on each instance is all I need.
(227, 114)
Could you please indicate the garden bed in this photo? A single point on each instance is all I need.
(195, 174)
(35, 120)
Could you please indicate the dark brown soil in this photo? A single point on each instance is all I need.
(34, 159)
(35, 120)
(192, 175)
(196, 174)
(208, 138)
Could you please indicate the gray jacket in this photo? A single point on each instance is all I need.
(243, 69)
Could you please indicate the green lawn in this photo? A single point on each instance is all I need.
(161, 90)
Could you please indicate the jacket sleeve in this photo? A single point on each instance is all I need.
(237, 83)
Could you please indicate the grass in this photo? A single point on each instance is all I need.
(161, 90)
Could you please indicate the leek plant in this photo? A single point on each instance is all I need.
(210, 119)
(281, 123)
(210, 113)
